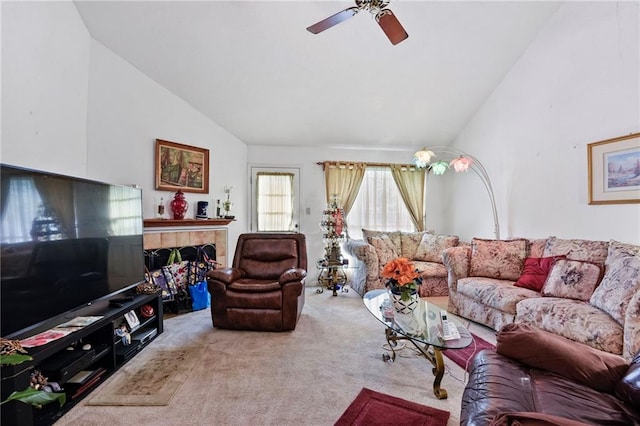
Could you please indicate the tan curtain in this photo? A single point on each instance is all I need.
(343, 179)
(410, 182)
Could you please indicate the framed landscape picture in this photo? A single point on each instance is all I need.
(181, 167)
(614, 170)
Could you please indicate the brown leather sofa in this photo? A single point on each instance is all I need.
(264, 288)
(539, 378)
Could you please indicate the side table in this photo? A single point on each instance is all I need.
(332, 276)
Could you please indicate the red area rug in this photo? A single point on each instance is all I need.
(375, 408)
(463, 356)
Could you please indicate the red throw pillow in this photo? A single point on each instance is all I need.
(535, 272)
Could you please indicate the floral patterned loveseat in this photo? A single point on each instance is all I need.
(586, 291)
(377, 248)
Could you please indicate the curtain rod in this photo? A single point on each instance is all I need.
(324, 163)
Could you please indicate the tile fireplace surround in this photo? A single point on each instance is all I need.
(179, 237)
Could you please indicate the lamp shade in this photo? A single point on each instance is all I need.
(461, 164)
(422, 158)
(439, 167)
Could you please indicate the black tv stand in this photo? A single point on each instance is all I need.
(119, 302)
(103, 354)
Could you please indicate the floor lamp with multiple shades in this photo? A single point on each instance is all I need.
(439, 159)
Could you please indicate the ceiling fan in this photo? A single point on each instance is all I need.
(383, 16)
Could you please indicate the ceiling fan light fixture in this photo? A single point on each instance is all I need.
(373, 6)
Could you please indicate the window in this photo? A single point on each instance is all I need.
(274, 203)
(379, 205)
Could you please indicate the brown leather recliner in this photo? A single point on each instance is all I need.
(264, 288)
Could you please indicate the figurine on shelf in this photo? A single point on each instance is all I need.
(161, 208)
(179, 205)
(123, 333)
(227, 204)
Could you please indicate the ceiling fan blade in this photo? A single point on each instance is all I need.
(332, 20)
(391, 26)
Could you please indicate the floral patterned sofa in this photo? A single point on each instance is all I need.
(377, 248)
(586, 291)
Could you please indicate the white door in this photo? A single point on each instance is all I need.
(275, 201)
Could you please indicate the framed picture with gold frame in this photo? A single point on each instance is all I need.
(183, 167)
(614, 170)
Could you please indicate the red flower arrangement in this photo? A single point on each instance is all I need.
(402, 277)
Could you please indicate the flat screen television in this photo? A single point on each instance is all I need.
(65, 242)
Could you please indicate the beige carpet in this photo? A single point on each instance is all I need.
(151, 378)
(305, 377)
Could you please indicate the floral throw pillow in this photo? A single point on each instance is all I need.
(592, 251)
(394, 236)
(620, 282)
(535, 272)
(384, 248)
(410, 242)
(501, 259)
(431, 247)
(572, 279)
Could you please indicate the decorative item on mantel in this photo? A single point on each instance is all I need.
(179, 205)
(161, 208)
(403, 280)
(201, 213)
(227, 203)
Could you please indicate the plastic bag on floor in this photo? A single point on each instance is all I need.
(200, 297)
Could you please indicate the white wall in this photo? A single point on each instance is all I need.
(578, 82)
(127, 111)
(71, 106)
(45, 60)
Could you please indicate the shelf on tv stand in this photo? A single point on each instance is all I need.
(100, 334)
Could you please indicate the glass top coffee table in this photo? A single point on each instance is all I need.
(421, 329)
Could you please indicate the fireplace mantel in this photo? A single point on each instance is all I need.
(161, 223)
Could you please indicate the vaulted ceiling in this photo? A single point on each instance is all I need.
(252, 67)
